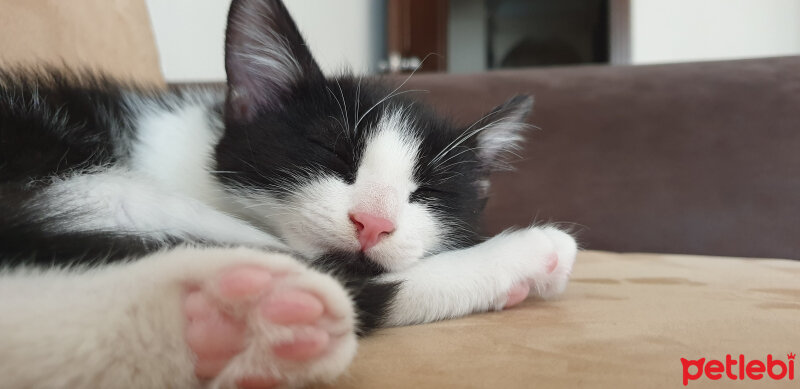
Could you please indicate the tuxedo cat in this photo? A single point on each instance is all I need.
(243, 237)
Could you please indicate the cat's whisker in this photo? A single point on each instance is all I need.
(344, 102)
(343, 123)
(392, 93)
(463, 138)
(339, 122)
(454, 164)
(387, 98)
(443, 164)
(358, 101)
(446, 148)
(255, 170)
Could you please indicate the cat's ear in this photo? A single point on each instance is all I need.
(265, 55)
(500, 133)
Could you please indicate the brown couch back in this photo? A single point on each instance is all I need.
(699, 158)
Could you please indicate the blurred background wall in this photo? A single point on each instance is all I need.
(190, 35)
(369, 36)
(690, 30)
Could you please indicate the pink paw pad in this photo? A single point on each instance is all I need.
(552, 263)
(214, 336)
(217, 313)
(292, 307)
(305, 346)
(244, 282)
(517, 294)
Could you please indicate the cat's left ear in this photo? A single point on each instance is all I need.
(265, 56)
(501, 132)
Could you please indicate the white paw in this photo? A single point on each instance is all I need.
(262, 320)
(542, 259)
(565, 249)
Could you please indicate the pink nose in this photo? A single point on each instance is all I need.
(370, 228)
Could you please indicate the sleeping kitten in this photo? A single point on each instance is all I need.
(203, 238)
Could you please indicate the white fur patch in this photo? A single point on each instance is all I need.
(127, 202)
(176, 148)
(385, 176)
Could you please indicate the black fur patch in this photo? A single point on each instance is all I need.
(51, 124)
(348, 265)
(371, 297)
(372, 300)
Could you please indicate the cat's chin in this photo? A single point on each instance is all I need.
(386, 257)
(349, 264)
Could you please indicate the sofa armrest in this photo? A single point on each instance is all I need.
(112, 36)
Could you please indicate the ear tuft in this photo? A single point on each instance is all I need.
(502, 131)
(265, 55)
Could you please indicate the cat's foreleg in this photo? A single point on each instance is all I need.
(489, 276)
(118, 200)
(184, 318)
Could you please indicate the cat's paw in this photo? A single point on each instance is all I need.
(547, 255)
(255, 325)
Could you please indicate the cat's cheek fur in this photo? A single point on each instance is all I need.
(406, 246)
(315, 220)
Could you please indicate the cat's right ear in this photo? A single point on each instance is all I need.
(265, 55)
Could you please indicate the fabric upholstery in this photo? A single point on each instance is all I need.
(113, 36)
(625, 321)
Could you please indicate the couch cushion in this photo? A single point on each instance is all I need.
(626, 320)
(112, 36)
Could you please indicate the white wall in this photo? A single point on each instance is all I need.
(696, 30)
(190, 35)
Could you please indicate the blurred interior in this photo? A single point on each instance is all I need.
(471, 36)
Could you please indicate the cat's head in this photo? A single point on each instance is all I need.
(348, 167)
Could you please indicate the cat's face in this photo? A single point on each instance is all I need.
(346, 169)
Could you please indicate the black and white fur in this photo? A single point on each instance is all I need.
(112, 196)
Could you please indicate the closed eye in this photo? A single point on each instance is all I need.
(429, 189)
(329, 149)
(338, 163)
(324, 146)
(426, 192)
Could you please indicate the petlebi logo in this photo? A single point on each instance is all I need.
(740, 368)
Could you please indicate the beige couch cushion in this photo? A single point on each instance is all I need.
(626, 320)
(109, 35)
